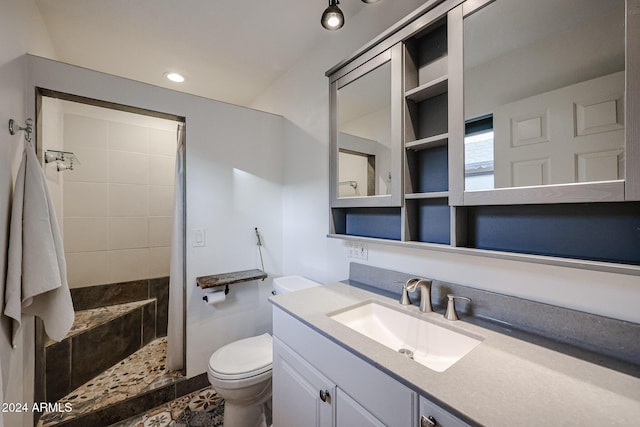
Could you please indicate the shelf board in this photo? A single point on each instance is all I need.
(430, 142)
(225, 279)
(428, 90)
(432, 195)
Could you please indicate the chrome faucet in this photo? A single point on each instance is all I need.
(425, 293)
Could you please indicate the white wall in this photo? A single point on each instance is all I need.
(21, 30)
(233, 184)
(301, 96)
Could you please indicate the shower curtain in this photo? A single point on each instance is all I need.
(175, 327)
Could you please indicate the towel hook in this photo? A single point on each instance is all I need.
(28, 128)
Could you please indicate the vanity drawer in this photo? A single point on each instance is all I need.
(432, 415)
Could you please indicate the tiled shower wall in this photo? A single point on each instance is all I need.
(117, 204)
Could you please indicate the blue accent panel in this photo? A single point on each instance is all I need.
(597, 231)
(381, 223)
(433, 116)
(434, 221)
(433, 170)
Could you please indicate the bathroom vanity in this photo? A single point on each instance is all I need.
(327, 374)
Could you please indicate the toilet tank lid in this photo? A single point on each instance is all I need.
(287, 284)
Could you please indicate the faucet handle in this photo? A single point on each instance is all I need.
(408, 286)
(451, 313)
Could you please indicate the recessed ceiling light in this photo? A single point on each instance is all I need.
(174, 77)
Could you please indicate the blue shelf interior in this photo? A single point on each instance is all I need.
(380, 223)
(608, 232)
(433, 169)
(434, 221)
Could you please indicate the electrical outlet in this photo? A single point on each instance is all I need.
(357, 250)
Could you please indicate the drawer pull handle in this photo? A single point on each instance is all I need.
(428, 421)
(324, 395)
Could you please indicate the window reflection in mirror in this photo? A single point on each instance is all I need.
(550, 75)
(364, 135)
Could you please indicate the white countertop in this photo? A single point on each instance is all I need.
(510, 379)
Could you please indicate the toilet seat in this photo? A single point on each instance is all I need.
(246, 358)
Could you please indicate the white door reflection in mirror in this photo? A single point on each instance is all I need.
(548, 77)
(364, 135)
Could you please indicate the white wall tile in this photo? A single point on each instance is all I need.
(85, 234)
(112, 214)
(85, 199)
(163, 142)
(161, 170)
(126, 137)
(92, 166)
(128, 168)
(160, 200)
(128, 200)
(81, 131)
(159, 261)
(160, 231)
(128, 264)
(128, 233)
(87, 268)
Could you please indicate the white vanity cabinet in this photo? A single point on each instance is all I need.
(316, 382)
(302, 395)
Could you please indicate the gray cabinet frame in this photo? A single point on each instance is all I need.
(459, 199)
(393, 55)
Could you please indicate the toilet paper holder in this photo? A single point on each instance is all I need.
(226, 292)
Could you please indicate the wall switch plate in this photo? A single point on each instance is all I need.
(357, 250)
(199, 237)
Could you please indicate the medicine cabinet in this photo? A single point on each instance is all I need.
(365, 133)
(514, 130)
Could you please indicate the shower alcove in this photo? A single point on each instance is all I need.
(111, 174)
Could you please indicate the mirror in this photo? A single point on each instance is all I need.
(364, 135)
(544, 86)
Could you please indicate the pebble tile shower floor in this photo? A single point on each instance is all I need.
(142, 371)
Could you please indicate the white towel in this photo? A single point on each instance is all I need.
(36, 270)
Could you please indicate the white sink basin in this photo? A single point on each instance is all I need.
(433, 346)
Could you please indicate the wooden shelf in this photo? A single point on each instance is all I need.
(435, 87)
(432, 141)
(225, 279)
(432, 195)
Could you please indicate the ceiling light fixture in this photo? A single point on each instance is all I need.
(332, 17)
(174, 77)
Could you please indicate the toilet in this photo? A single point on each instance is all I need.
(240, 372)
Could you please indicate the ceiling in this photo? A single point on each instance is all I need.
(227, 50)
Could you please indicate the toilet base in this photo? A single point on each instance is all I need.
(244, 416)
(244, 407)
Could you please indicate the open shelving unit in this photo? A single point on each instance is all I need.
(554, 224)
(426, 96)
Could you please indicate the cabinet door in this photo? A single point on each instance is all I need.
(349, 413)
(302, 396)
(432, 416)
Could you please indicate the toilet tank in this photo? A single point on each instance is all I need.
(286, 284)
